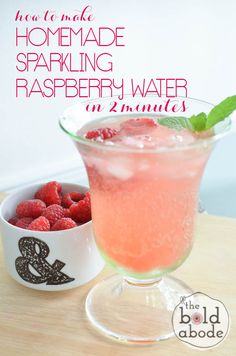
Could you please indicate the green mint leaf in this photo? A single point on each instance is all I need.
(221, 111)
(201, 122)
(176, 122)
(198, 122)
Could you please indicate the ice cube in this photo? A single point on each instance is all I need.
(143, 165)
(120, 168)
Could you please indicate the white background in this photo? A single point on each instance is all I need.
(193, 39)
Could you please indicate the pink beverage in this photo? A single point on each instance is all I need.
(144, 184)
(144, 173)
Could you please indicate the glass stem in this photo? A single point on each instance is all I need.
(142, 282)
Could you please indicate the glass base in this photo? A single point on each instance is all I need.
(135, 311)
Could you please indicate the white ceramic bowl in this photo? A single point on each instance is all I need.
(50, 261)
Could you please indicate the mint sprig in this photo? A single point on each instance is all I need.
(198, 122)
(177, 123)
(221, 111)
(202, 121)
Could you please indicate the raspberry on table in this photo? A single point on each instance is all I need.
(71, 198)
(32, 208)
(101, 134)
(63, 224)
(39, 224)
(24, 222)
(81, 212)
(50, 193)
(13, 220)
(53, 213)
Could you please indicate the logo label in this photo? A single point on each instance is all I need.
(200, 321)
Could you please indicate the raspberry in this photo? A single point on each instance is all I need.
(71, 198)
(39, 224)
(101, 134)
(138, 125)
(30, 208)
(87, 197)
(63, 224)
(53, 213)
(24, 222)
(67, 213)
(49, 193)
(81, 212)
(13, 220)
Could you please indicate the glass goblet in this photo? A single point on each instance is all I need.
(144, 203)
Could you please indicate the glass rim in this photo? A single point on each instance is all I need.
(200, 142)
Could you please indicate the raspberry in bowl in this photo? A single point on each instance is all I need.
(47, 236)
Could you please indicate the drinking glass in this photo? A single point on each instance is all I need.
(144, 203)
